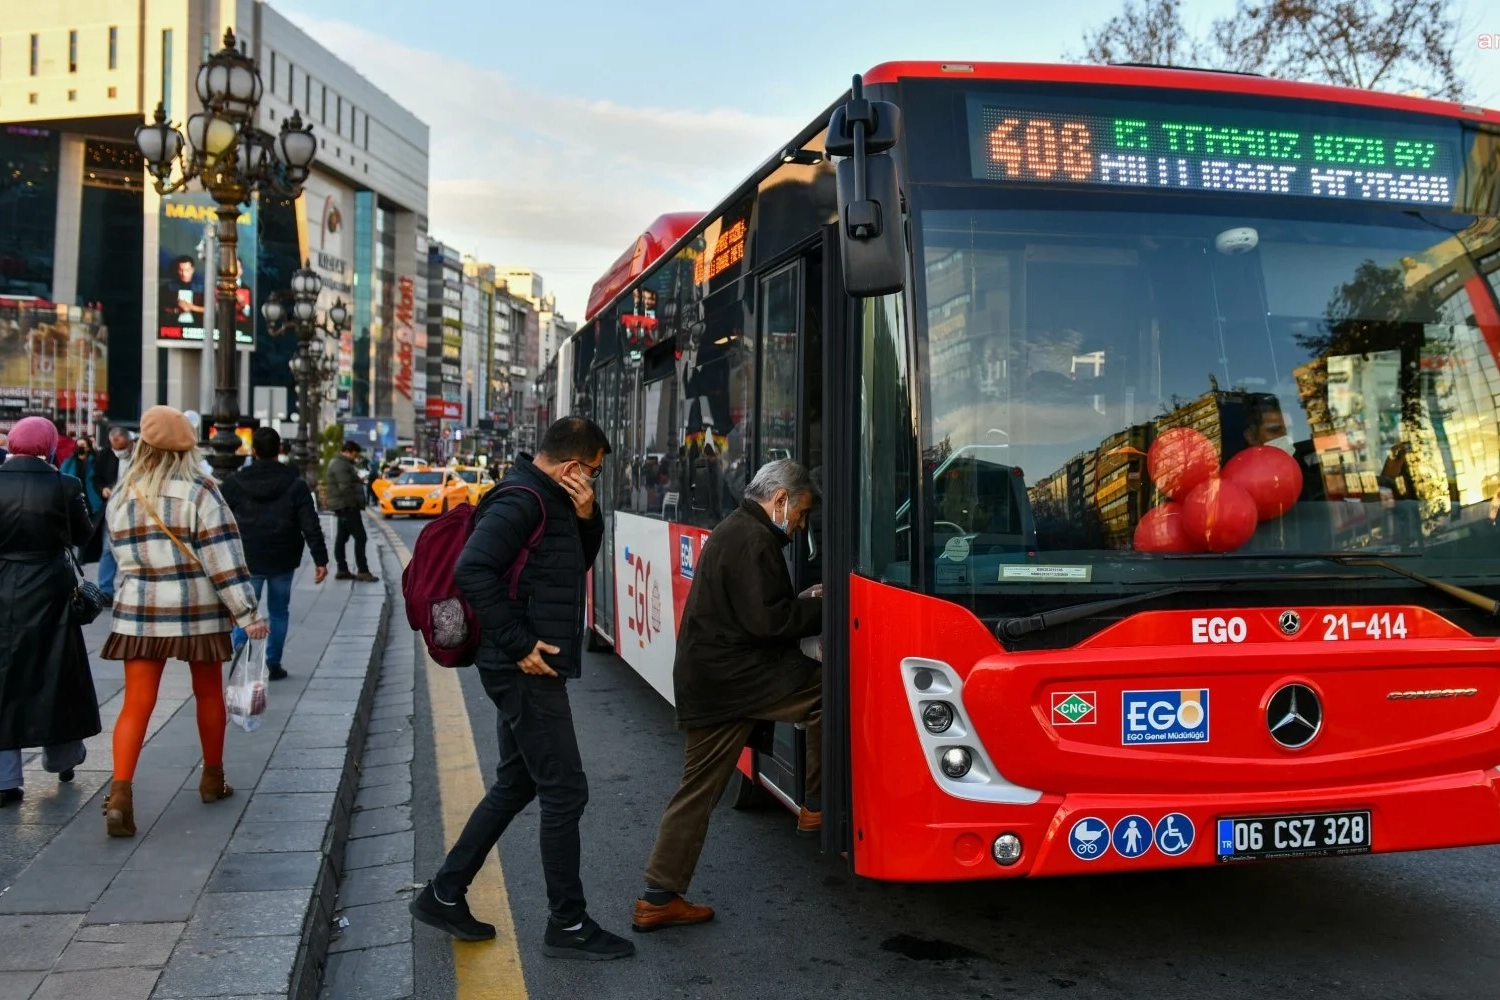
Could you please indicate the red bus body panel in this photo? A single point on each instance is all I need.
(1424, 768)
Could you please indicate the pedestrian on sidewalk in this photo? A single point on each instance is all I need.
(346, 498)
(530, 647)
(47, 694)
(739, 661)
(109, 472)
(183, 585)
(275, 512)
(80, 465)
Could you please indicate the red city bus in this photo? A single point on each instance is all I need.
(1155, 417)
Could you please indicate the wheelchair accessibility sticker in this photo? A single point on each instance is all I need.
(1174, 834)
(1089, 839)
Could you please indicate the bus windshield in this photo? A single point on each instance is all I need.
(1091, 378)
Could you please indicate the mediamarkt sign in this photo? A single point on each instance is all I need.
(405, 313)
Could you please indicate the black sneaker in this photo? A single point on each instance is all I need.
(277, 674)
(589, 943)
(9, 795)
(451, 918)
(108, 600)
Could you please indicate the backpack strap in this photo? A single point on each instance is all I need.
(513, 576)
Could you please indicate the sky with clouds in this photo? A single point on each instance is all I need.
(559, 130)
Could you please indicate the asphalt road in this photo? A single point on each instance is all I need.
(792, 923)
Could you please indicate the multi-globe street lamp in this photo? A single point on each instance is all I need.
(316, 362)
(232, 159)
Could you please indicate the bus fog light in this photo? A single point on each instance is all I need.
(1007, 849)
(956, 762)
(937, 716)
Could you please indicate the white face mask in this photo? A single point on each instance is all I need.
(1282, 443)
(784, 520)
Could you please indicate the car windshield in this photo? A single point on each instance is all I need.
(420, 479)
(468, 475)
(1121, 396)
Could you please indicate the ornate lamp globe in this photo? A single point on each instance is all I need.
(273, 311)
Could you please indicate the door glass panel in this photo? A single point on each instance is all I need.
(778, 376)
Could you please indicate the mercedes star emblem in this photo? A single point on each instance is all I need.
(1294, 716)
(1290, 622)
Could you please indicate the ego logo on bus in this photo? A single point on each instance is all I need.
(1219, 630)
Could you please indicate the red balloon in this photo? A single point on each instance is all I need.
(1271, 477)
(1162, 530)
(1219, 515)
(1180, 459)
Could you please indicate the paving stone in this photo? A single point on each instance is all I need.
(257, 837)
(19, 985)
(250, 914)
(374, 822)
(384, 850)
(379, 884)
(25, 841)
(98, 984)
(289, 807)
(374, 974)
(151, 895)
(49, 802)
(400, 711)
(326, 707)
(293, 779)
(34, 942)
(304, 723)
(294, 757)
(118, 946)
(323, 738)
(387, 755)
(373, 925)
(372, 776)
(390, 724)
(267, 871)
(227, 967)
(378, 796)
(394, 738)
(52, 888)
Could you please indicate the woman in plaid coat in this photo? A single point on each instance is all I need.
(183, 586)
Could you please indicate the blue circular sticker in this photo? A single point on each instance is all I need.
(1089, 839)
(1174, 834)
(1132, 836)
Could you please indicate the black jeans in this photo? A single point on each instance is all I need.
(538, 760)
(351, 525)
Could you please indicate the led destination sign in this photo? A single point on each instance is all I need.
(1167, 146)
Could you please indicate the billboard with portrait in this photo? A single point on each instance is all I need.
(185, 275)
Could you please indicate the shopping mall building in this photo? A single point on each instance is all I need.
(80, 226)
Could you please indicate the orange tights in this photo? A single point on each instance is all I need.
(142, 677)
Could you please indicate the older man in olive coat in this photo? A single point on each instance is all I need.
(739, 661)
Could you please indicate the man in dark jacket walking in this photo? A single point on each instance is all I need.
(275, 512)
(346, 498)
(529, 647)
(739, 661)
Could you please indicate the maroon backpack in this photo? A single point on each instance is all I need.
(434, 606)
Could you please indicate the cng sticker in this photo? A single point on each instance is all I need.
(1074, 708)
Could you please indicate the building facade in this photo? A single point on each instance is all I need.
(77, 78)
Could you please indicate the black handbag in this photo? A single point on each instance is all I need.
(88, 599)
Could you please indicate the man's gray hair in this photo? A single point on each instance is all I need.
(782, 474)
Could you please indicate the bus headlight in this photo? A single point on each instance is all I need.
(937, 716)
(956, 762)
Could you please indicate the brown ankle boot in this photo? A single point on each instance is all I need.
(119, 810)
(212, 787)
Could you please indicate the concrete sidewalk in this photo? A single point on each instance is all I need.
(233, 899)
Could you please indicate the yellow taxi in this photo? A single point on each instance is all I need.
(422, 493)
(477, 479)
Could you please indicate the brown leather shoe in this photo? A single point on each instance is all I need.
(212, 787)
(119, 810)
(678, 913)
(809, 822)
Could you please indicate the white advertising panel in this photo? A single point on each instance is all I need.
(645, 620)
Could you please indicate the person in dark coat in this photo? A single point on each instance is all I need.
(739, 661)
(109, 471)
(344, 494)
(80, 465)
(275, 512)
(46, 688)
(529, 648)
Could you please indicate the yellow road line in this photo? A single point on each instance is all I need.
(489, 970)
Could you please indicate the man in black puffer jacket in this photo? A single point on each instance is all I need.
(529, 647)
(275, 512)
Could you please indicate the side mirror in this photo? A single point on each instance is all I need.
(872, 232)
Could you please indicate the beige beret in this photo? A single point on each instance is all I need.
(165, 428)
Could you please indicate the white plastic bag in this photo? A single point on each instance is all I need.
(245, 694)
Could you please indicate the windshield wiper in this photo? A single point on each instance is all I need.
(1478, 600)
(1015, 628)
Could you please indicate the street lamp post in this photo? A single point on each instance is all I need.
(232, 159)
(313, 364)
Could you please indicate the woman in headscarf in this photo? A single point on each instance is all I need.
(46, 690)
(183, 586)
